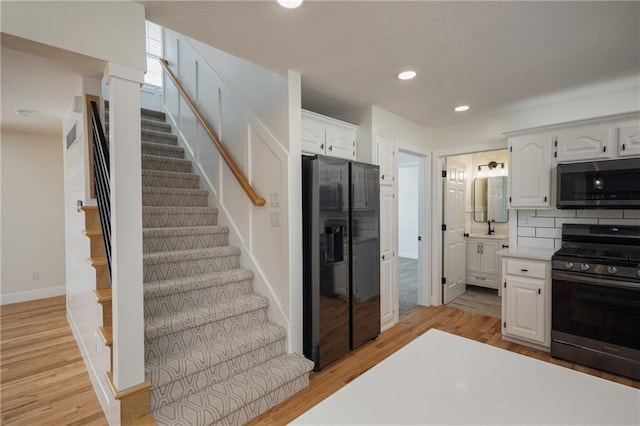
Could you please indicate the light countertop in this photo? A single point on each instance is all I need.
(490, 237)
(527, 253)
(440, 378)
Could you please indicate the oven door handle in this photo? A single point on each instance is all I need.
(585, 279)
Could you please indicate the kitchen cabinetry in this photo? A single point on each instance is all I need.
(530, 171)
(585, 143)
(526, 301)
(628, 139)
(327, 136)
(483, 264)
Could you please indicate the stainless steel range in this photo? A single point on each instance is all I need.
(596, 298)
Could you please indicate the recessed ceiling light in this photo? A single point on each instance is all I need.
(461, 108)
(290, 4)
(406, 75)
(24, 112)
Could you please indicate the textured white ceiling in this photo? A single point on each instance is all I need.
(490, 55)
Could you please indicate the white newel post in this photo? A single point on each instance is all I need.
(126, 225)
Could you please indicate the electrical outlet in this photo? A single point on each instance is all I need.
(275, 219)
(35, 275)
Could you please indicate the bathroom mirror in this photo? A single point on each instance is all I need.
(490, 199)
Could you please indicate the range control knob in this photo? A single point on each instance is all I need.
(568, 265)
(612, 270)
(585, 266)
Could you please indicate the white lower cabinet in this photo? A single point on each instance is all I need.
(483, 264)
(526, 301)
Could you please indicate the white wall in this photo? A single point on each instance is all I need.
(408, 206)
(32, 217)
(406, 133)
(244, 124)
(490, 129)
(107, 30)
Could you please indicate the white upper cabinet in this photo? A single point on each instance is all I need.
(628, 138)
(586, 143)
(530, 171)
(327, 136)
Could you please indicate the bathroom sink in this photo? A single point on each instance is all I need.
(492, 236)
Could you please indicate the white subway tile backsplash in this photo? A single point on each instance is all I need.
(526, 231)
(555, 213)
(544, 243)
(600, 214)
(562, 220)
(548, 233)
(543, 228)
(543, 222)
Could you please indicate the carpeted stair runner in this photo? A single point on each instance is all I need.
(211, 353)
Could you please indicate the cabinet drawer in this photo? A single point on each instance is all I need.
(526, 268)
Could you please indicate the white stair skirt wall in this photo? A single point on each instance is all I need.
(260, 232)
(83, 313)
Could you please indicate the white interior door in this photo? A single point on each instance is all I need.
(386, 154)
(454, 246)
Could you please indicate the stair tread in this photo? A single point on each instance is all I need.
(97, 262)
(172, 367)
(178, 210)
(178, 321)
(102, 295)
(194, 282)
(220, 400)
(174, 191)
(167, 147)
(106, 334)
(165, 159)
(189, 255)
(184, 231)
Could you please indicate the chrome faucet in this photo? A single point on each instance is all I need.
(490, 230)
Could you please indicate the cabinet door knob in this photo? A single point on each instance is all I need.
(382, 177)
(321, 146)
(330, 147)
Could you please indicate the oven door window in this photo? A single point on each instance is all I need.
(604, 313)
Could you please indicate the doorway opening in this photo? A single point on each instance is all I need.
(410, 212)
(476, 227)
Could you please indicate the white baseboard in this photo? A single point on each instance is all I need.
(25, 296)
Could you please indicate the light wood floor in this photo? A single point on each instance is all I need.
(43, 379)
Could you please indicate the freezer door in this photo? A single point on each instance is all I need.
(365, 263)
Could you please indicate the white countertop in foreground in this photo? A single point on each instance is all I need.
(440, 378)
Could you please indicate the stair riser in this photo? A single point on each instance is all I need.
(188, 268)
(168, 220)
(156, 126)
(151, 179)
(207, 296)
(179, 341)
(265, 403)
(174, 200)
(166, 164)
(183, 242)
(161, 150)
(159, 137)
(186, 386)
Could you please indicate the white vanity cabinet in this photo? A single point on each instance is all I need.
(483, 264)
(327, 136)
(526, 300)
(530, 171)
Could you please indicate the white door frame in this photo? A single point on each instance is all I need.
(424, 217)
(435, 289)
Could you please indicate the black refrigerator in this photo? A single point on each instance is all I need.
(341, 267)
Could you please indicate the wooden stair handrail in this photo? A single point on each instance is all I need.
(226, 155)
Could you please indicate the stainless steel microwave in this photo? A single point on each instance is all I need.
(613, 184)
